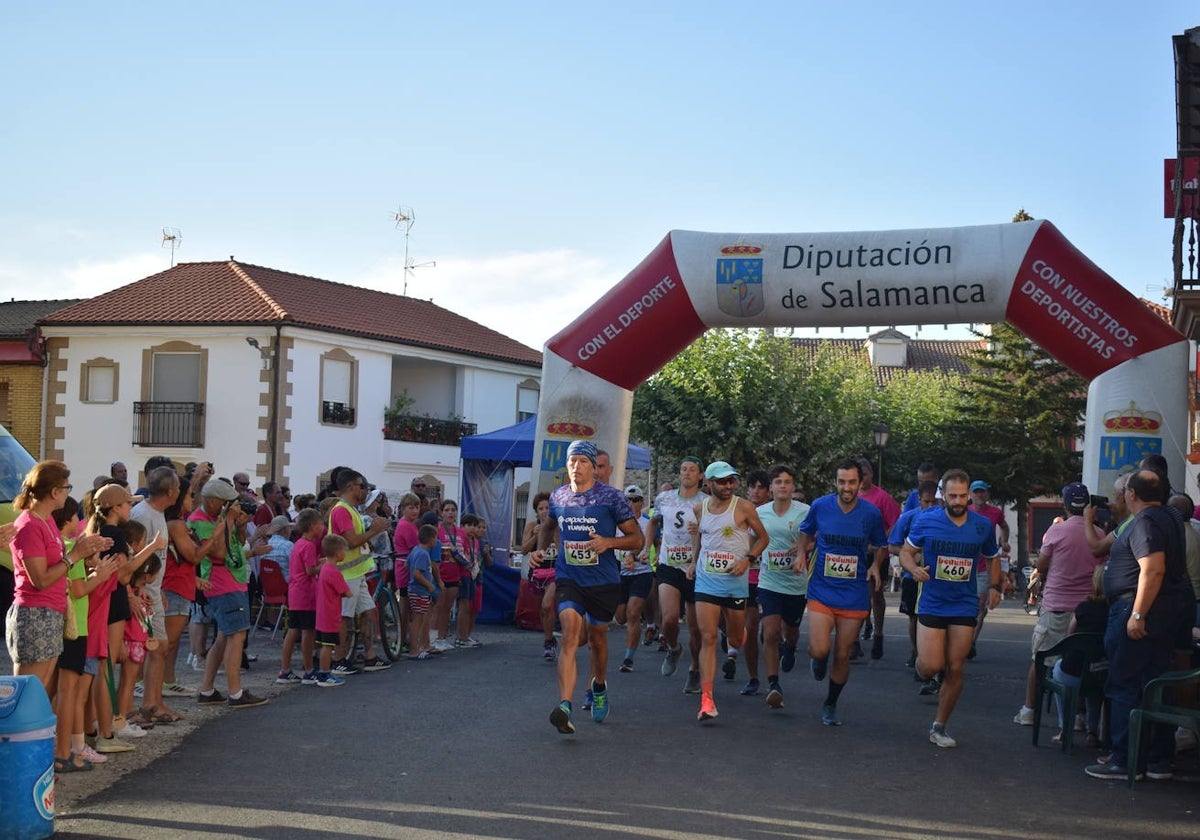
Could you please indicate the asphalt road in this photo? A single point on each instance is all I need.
(461, 747)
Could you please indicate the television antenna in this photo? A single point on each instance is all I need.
(172, 238)
(406, 218)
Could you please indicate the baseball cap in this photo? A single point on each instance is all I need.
(1076, 496)
(215, 488)
(634, 490)
(980, 485)
(279, 523)
(719, 469)
(111, 495)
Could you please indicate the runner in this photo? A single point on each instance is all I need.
(758, 491)
(952, 539)
(781, 589)
(587, 574)
(843, 530)
(636, 578)
(926, 498)
(723, 554)
(981, 492)
(876, 495)
(674, 513)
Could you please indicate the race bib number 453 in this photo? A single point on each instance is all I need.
(579, 554)
(719, 562)
(954, 569)
(844, 566)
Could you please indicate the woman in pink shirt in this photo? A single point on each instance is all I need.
(35, 621)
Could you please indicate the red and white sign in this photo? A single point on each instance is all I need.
(1191, 187)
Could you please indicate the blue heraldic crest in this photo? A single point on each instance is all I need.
(739, 286)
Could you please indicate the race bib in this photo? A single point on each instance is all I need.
(677, 555)
(719, 562)
(954, 569)
(579, 554)
(843, 566)
(780, 560)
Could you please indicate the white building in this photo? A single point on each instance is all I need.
(277, 375)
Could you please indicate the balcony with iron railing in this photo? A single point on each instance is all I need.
(337, 414)
(168, 424)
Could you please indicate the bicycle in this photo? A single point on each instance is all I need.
(387, 608)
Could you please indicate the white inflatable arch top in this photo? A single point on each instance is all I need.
(1026, 273)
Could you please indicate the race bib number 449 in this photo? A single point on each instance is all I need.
(719, 562)
(843, 566)
(780, 559)
(954, 569)
(579, 554)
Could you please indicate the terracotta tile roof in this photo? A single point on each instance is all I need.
(235, 293)
(17, 317)
(949, 357)
(1163, 312)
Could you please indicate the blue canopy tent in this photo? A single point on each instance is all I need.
(488, 461)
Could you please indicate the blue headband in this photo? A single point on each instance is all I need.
(583, 447)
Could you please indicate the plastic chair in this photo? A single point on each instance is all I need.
(1095, 672)
(274, 593)
(1154, 710)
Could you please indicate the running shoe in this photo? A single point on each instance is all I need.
(1160, 771)
(469, 642)
(561, 718)
(376, 664)
(288, 677)
(131, 730)
(210, 699)
(1024, 716)
(775, 696)
(89, 754)
(708, 709)
(856, 650)
(139, 690)
(931, 686)
(787, 657)
(818, 668)
(938, 735)
(344, 669)
(911, 662)
(729, 669)
(599, 704)
(1110, 771)
(877, 647)
(626, 665)
(868, 629)
(246, 701)
(328, 681)
(829, 716)
(651, 634)
(750, 688)
(671, 661)
(588, 697)
(692, 686)
(550, 650)
(108, 746)
(309, 678)
(178, 690)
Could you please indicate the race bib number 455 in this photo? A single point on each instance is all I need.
(844, 566)
(719, 562)
(579, 554)
(677, 555)
(954, 569)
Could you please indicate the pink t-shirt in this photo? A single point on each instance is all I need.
(37, 538)
(302, 587)
(331, 586)
(403, 541)
(455, 539)
(883, 500)
(135, 631)
(996, 516)
(98, 599)
(1071, 564)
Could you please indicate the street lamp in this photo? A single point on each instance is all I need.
(881, 441)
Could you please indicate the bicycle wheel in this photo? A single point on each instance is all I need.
(389, 622)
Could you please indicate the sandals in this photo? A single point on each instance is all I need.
(152, 715)
(66, 765)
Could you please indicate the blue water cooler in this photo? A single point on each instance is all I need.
(26, 760)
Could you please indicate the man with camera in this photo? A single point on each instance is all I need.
(219, 524)
(1066, 548)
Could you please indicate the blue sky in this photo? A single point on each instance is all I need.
(547, 147)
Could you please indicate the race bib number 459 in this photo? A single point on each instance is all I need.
(677, 555)
(719, 562)
(844, 566)
(954, 569)
(579, 554)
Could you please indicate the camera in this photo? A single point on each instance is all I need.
(248, 507)
(1098, 501)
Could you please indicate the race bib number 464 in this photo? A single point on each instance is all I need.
(579, 554)
(719, 562)
(954, 569)
(843, 566)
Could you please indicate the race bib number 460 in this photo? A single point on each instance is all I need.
(954, 569)
(781, 560)
(677, 555)
(579, 554)
(719, 562)
(843, 566)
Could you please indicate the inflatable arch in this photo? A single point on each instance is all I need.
(1026, 273)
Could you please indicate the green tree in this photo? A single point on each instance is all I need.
(1018, 413)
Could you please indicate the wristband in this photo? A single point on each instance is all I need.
(998, 587)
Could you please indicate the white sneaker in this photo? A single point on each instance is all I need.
(139, 690)
(443, 645)
(91, 755)
(1024, 717)
(130, 730)
(941, 737)
(179, 690)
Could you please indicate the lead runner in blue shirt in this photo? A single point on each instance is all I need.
(940, 552)
(587, 573)
(849, 555)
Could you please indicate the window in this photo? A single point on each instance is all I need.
(5, 405)
(339, 384)
(528, 394)
(98, 381)
(174, 382)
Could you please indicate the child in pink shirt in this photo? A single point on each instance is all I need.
(303, 567)
(331, 589)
